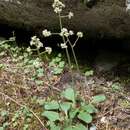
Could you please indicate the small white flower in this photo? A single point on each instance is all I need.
(32, 43)
(63, 45)
(48, 50)
(39, 45)
(28, 49)
(80, 34)
(57, 10)
(33, 38)
(64, 32)
(36, 42)
(58, 6)
(71, 33)
(58, 3)
(46, 33)
(70, 15)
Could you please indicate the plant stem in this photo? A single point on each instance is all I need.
(63, 38)
(75, 42)
(67, 53)
(74, 55)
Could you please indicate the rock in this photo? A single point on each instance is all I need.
(106, 61)
(106, 19)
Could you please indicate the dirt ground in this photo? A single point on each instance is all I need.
(114, 113)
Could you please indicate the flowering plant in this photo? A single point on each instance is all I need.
(58, 6)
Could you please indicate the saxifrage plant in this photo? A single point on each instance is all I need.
(70, 112)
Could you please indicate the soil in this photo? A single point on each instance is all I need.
(113, 114)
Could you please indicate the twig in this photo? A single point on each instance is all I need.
(104, 114)
(35, 115)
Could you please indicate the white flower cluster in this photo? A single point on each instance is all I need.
(58, 6)
(46, 33)
(80, 34)
(29, 49)
(48, 50)
(37, 63)
(63, 45)
(66, 33)
(36, 42)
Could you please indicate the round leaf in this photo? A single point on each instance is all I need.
(99, 98)
(69, 94)
(53, 105)
(65, 106)
(80, 127)
(54, 127)
(73, 113)
(89, 73)
(68, 128)
(52, 116)
(89, 108)
(86, 117)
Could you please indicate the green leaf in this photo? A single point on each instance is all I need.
(40, 72)
(80, 127)
(5, 125)
(116, 87)
(52, 116)
(40, 102)
(86, 117)
(26, 127)
(51, 64)
(73, 113)
(53, 105)
(77, 127)
(4, 113)
(89, 73)
(68, 128)
(69, 94)
(57, 59)
(89, 108)
(2, 66)
(57, 70)
(61, 64)
(1, 128)
(59, 55)
(54, 127)
(65, 106)
(99, 98)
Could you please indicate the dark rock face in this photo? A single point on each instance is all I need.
(106, 19)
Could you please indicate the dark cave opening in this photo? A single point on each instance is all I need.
(98, 53)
